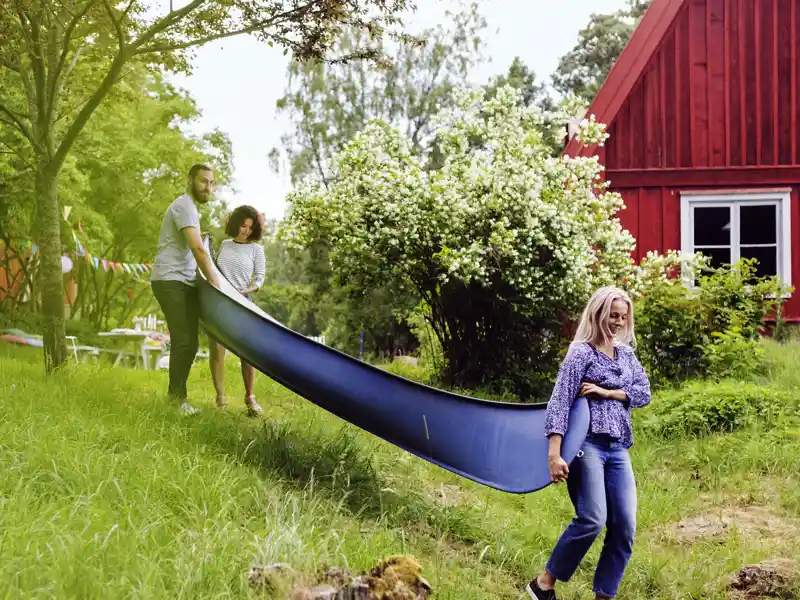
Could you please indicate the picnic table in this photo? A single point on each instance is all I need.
(126, 340)
(143, 344)
(124, 344)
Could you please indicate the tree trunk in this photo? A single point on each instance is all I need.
(51, 282)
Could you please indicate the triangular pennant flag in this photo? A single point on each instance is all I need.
(105, 265)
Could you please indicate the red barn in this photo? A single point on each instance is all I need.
(702, 109)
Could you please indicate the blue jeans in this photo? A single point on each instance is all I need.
(603, 490)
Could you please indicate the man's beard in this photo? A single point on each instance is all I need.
(201, 197)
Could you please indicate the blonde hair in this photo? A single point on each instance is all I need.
(593, 326)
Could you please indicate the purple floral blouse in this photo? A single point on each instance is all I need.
(585, 364)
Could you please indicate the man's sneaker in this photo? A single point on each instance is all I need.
(188, 409)
(537, 593)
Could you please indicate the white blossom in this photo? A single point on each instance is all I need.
(499, 209)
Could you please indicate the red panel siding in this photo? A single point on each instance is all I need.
(683, 90)
(629, 217)
(750, 82)
(785, 96)
(669, 142)
(766, 75)
(718, 104)
(698, 86)
(721, 90)
(717, 112)
(651, 230)
(735, 124)
(670, 219)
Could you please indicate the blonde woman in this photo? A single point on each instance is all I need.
(601, 366)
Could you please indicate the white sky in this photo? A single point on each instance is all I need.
(237, 82)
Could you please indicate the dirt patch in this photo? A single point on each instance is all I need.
(749, 521)
(777, 578)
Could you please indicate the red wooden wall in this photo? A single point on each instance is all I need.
(717, 107)
(721, 91)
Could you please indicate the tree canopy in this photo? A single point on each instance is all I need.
(582, 70)
(330, 103)
(60, 59)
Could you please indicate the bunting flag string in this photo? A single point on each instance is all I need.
(133, 269)
(96, 262)
(24, 244)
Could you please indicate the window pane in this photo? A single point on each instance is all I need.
(712, 225)
(758, 224)
(767, 260)
(719, 256)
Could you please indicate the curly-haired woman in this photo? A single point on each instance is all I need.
(241, 260)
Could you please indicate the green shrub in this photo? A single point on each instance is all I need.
(735, 297)
(732, 355)
(670, 333)
(710, 329)
(781, 333)
(419, 373)
(702, 408)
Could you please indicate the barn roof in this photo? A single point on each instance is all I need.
(630, 65)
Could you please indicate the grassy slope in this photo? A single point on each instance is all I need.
(109, 493)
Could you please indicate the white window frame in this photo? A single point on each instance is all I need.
(782, 199)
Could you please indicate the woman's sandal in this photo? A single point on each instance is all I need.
(222, 402)
(253, 407)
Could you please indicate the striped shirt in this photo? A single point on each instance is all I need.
(242, 263)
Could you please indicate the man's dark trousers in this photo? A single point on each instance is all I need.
(180, 305)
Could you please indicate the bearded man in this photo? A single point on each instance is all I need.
(180, 252)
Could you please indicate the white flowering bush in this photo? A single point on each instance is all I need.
(501, 240)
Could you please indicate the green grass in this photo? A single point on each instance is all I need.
(107, 492)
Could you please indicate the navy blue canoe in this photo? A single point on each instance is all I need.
(498, 444)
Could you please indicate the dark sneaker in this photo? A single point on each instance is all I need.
(537, 593)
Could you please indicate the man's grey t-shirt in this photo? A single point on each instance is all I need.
(175, 261)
